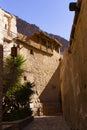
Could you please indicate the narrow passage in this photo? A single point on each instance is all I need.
(47, 123)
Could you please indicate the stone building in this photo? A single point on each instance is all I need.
(74, 71)
(7, 26)
(42, 55)
(1, 71)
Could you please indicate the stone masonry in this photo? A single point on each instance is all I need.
(8, 31)
(74, 72)
(42, 55)
(5, 46)
(1, 88)
(43, 70)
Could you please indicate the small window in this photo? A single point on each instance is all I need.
(58, 50)
(49, 46)
(6, 26)
(31, 52)
(25, 78)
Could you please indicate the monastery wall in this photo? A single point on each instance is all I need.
(74, 75)
(43, 70)
(8, 31)
(41, 67)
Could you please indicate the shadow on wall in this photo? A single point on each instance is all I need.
(51, 96)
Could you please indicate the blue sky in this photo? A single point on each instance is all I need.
(52, 16)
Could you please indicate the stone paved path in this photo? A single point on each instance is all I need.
(48, 123)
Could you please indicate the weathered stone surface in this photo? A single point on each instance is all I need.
(43, 70)
(1, 87)
(42, 61)
(74, 75)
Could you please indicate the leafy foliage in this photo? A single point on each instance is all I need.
(25, 91)
(16, 105)
(16, 97)
(12, 72)
(17, 114)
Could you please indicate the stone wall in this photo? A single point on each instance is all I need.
(43, 69)
(7, 34)
(5, 48)
(74, 74)
(1, 87)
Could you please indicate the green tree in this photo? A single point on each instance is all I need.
(16, 105)
(23, 93)
(16, 95)
(12, 72)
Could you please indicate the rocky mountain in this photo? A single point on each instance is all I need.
(28, 29)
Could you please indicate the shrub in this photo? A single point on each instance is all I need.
(16, 97)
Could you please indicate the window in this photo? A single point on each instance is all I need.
(6, 22)
(6, 26)
(25, 78)
(31, 52)
(49, 45)
(58, 50)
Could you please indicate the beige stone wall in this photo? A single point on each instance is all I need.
(6, 38)
(43, 69)
(74, 75)
(1, 87)
(5, 48)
